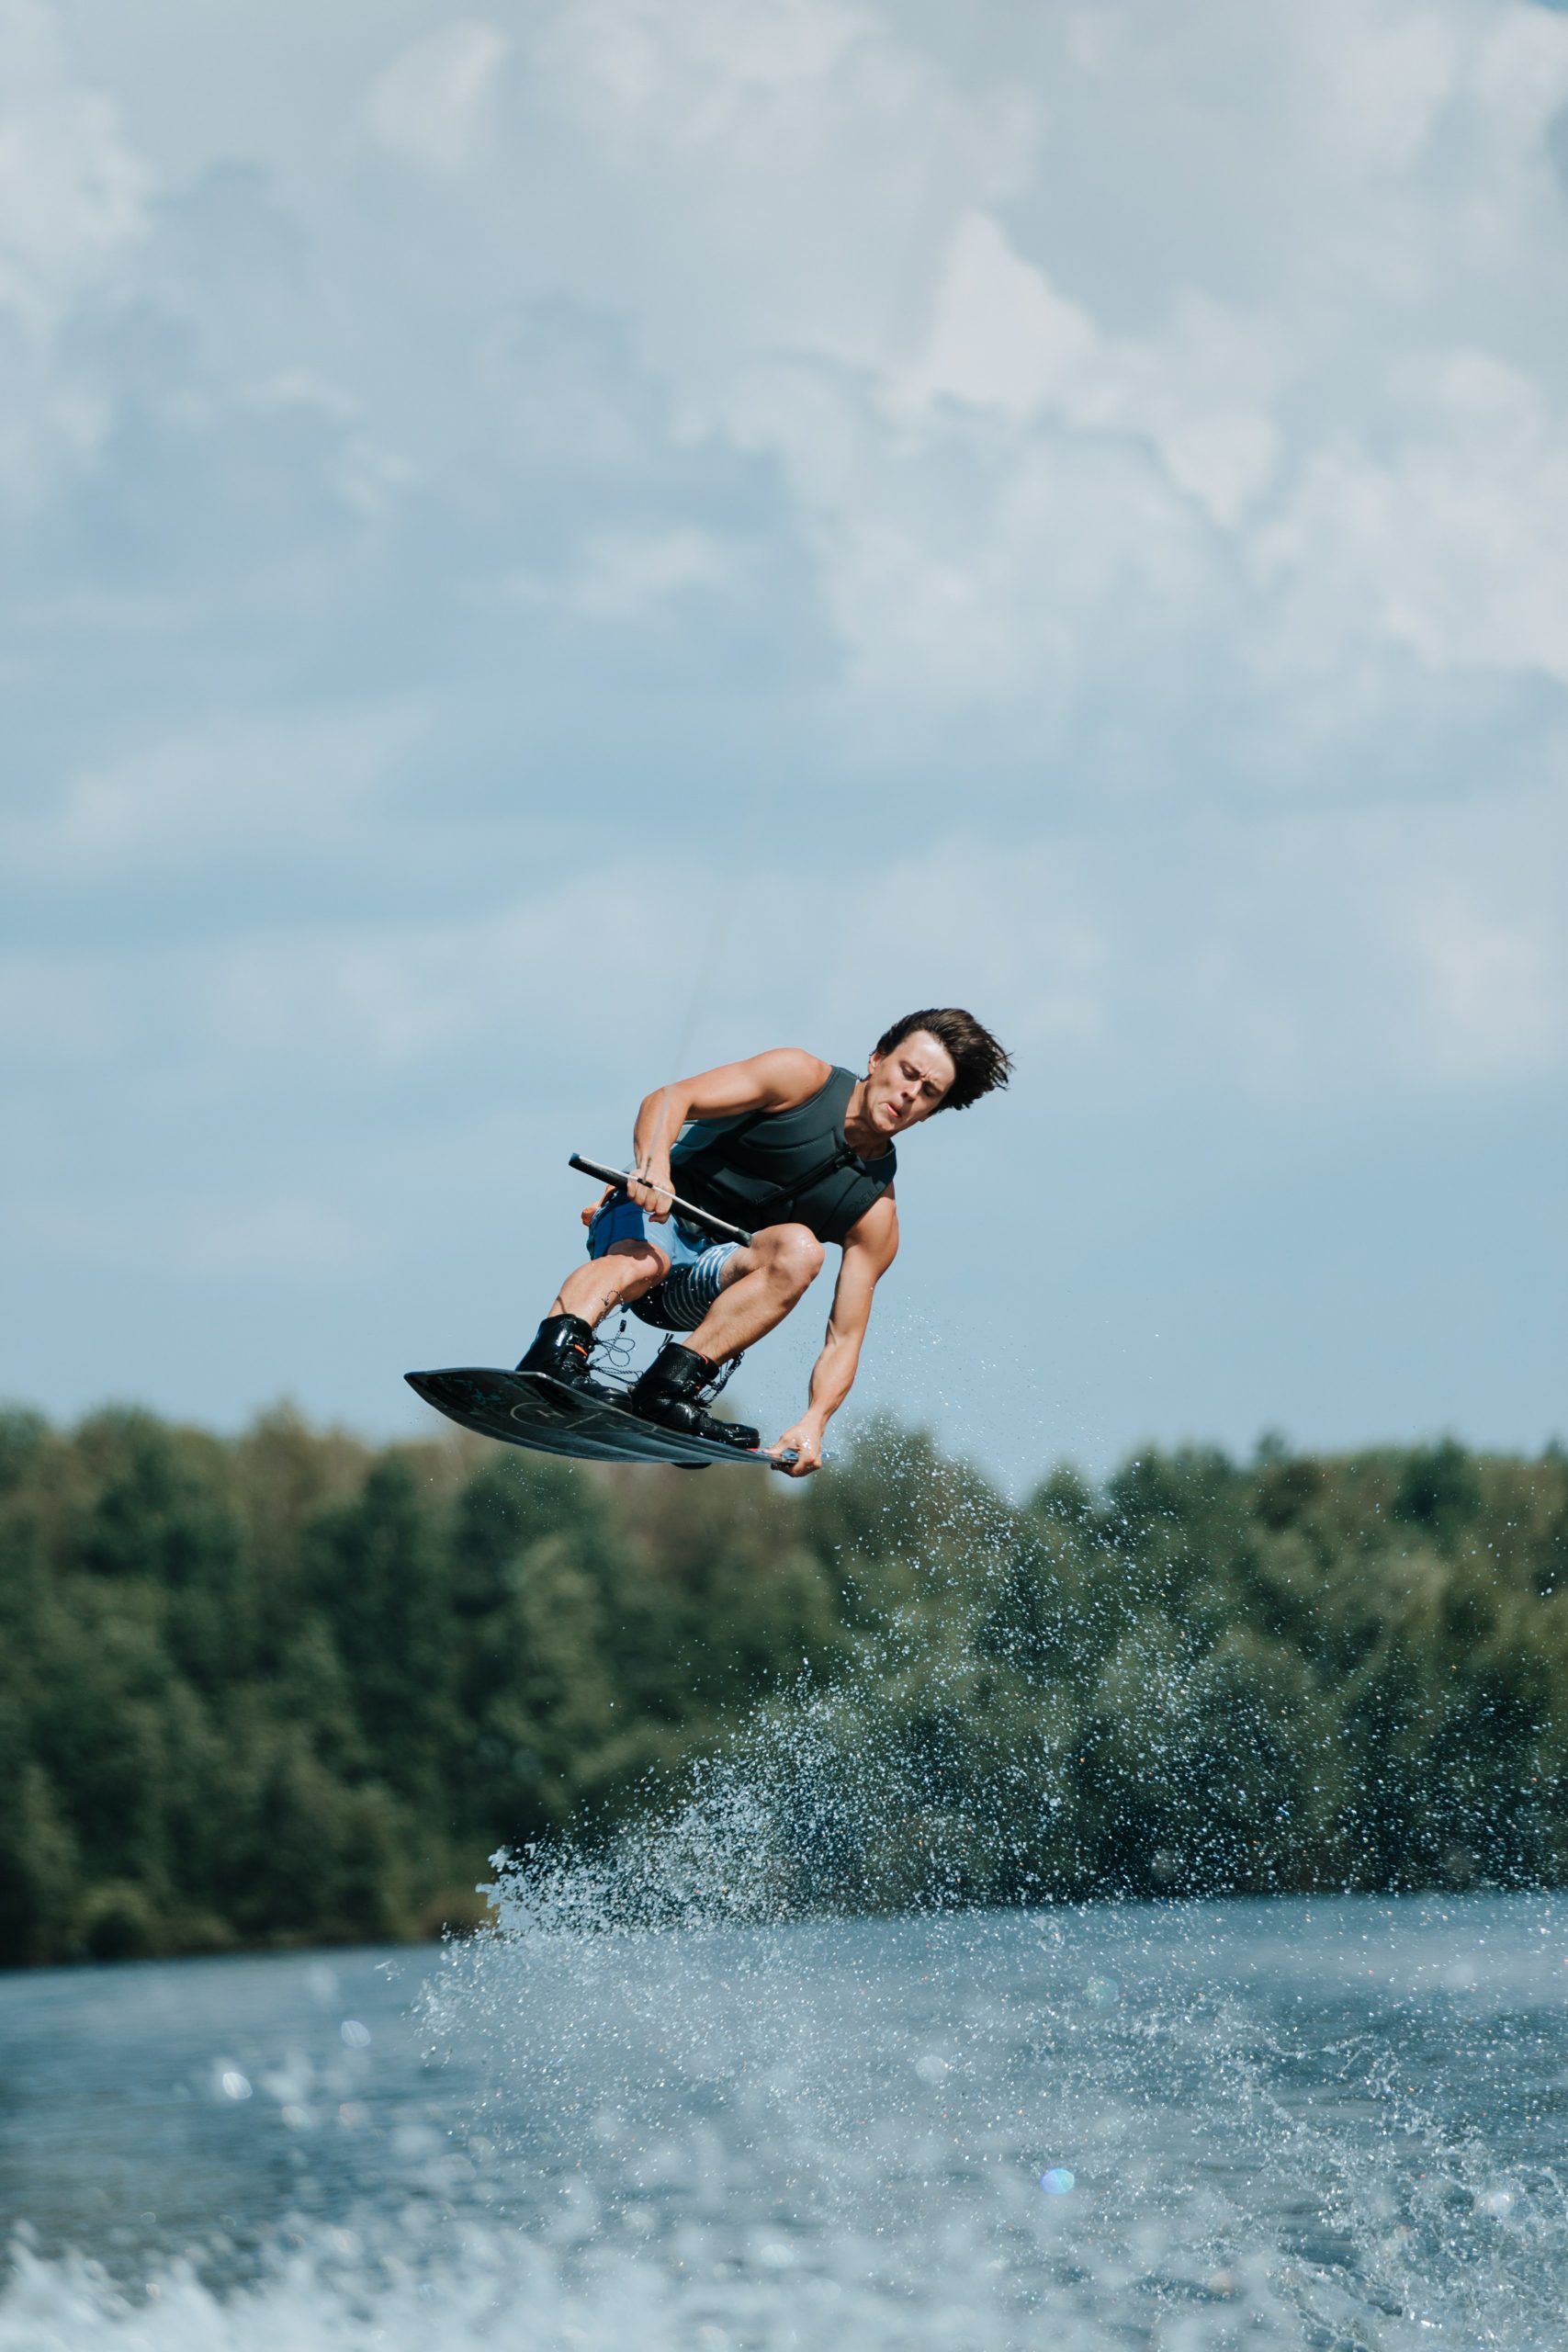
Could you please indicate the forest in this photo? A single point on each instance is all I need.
(286, 1688)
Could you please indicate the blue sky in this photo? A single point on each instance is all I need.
(552, 545)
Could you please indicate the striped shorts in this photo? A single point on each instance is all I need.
(696, 1265)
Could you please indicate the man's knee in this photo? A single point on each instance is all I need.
(636, 1266)
(794, 1252)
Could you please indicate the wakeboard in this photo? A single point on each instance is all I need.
(530, 1408)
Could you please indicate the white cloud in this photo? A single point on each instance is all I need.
(1383, 76)
(1457, 545)
(1117, 272)
(435, 103)
(1393, 158)
(1492, 988)
(336, 1005)
(1392, 953)
(621, 575)
(72, 193)
(1023, 934)
(217, 797)
(1465, 915)
(1522, 74)
(72, 197)
(697, 70)
(1242, 515)
(1001, 339)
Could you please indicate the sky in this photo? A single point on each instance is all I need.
(544, 549)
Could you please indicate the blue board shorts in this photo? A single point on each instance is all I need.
(696, 1263)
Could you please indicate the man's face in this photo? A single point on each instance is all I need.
(909, 1083)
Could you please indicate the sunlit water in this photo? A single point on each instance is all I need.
(1296, 2123)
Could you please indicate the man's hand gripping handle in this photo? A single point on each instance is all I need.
(683, 1209)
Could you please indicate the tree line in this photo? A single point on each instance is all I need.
(286, 1688)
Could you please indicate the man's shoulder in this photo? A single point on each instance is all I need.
(791, 1074)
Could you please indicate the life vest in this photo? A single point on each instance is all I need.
(793, 1167)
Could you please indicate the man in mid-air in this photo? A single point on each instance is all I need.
(801, 1154)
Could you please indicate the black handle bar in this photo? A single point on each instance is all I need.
(692, 1215)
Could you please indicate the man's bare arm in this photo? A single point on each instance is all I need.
(870, 1249)
(775, 1080)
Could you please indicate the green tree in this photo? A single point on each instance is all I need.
(381, 1581)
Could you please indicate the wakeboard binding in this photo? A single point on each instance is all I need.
(672, 1392)
(562, 1349)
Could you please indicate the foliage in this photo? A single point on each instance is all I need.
(287, 1688)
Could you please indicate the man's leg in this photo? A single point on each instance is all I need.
(562, 1343)
(759, 1284)
(758, 1287)
(626, 1271)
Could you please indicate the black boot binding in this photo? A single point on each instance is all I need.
(561, 1348)
(670, 1393)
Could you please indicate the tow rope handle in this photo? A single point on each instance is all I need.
(683, 1209)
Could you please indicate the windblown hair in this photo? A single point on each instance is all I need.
(978, 1061)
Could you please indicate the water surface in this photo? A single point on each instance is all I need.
(1316, 2124)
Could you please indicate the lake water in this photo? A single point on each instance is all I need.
(1327, 2124)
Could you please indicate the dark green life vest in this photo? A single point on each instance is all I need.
(783, 1167)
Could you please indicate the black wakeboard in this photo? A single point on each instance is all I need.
(530, 1408)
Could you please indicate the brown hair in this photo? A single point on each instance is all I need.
(978, 1061)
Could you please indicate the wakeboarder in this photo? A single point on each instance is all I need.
(803, 1154)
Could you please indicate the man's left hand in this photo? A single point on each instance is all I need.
(804, 1441)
